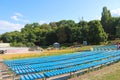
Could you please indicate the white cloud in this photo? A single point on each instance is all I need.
(15, 18)
(19, 17)
(6, 26)
(115, 12)
(19, 14)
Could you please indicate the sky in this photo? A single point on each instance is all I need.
(14, 14)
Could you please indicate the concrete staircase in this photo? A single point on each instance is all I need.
(6, 73)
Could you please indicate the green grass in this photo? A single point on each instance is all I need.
(111, 72)
(110, 76)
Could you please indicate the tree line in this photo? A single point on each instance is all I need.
(66, 31)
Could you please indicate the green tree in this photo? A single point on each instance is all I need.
(45, 26)
(53, 24)
(106, 16)
(41, 37)
(51, 37)
(112, 23)
(70, 23)
(76, 35)
(6, 37)
(96, 32)
(118, 29)
(84, 29)
(61, 34)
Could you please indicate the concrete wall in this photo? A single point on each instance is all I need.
(4, 45)
(13, 50)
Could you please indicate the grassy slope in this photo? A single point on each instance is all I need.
(111, 72)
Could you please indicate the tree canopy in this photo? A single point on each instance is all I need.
(66, 31)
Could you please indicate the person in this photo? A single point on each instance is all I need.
(118, 45)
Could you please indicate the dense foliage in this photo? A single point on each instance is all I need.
(66, 31)
(110, 24)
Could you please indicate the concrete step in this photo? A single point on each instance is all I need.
(6, 76)
(9, 78)
(4, 73)
(5, 70)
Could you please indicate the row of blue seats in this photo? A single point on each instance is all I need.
(100, 48)
(24, 71)
(55, 63)
(104, 49)
(50, 64)
(77, 62)
(54, 73)
(32, 76)
(43, 64)
(77, 68)
(68, 70)
(44, 60)
(102, 58)
(50, 68)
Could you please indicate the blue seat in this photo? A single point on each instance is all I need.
(27, 77)
(35, 76)
(22, 78)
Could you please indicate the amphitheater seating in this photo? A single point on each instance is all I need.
(45, 67)
(105, 48)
